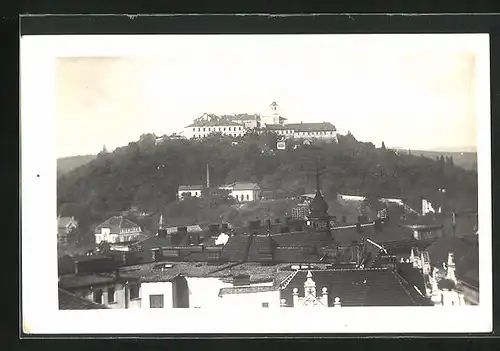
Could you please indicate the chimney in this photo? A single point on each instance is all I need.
(195, 238)
(214, 229)
(208, 177)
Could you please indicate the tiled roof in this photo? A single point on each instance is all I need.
(69, 301)
(262, 248)
(355, 287)
(116, 223)
(214, 123)
(242, 117)
(190, 187)
(236, 249)
(81, 280)
(245, 186)
(64, 222)
(311, 127)
(258, 272)
(247, 290)
(152, 272)
(412, 275)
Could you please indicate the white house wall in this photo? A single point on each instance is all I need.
(201, 132)
(157, 288)
(204, 292)
(250, 300)
(252, 195)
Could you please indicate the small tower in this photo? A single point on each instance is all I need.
(318, 209)
(310, 299)
(450, 270)
(309, 286)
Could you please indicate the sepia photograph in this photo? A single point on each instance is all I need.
(325, 177)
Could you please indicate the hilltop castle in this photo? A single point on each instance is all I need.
(238, 125)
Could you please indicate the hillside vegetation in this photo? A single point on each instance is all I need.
(146, 176)
(67, 164)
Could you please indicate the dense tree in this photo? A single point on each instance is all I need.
(146, 175)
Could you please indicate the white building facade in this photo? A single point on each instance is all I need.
(189, 190)
(243, 192)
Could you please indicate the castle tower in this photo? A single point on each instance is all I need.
(272, 116)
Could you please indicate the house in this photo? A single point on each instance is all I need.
(117, 229)
(189, 190)
(209, 124)
(65, 225)
(249, 121)
(308, 131)
(69, 301)
(281, 144)
(243, 192)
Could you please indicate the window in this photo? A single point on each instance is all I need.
(224, 128)
(248, 197)
(240, 128)
(203, 129)
(97, 296)
(194, 129)
(214, 255)
(155, 301)
(209, 129)
(198, 129)
(265, 304)
(134, 292)
(219, 129)
(111, 295)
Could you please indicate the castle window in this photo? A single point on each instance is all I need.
(194, 129)
(203, 129)
(265, 304)
(198, 129)
(224, 128)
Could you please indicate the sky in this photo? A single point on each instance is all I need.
(411, 99)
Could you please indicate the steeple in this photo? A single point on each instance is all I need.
(318, 207)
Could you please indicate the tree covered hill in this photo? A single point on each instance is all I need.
(146, 175)
(67, 164)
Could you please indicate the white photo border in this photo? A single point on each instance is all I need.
(39, 250)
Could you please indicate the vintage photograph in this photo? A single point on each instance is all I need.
(269, 172)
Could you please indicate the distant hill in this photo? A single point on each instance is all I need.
(67, 164)
(465, 160)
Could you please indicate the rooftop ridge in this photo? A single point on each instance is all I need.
(398, 279)
(288, 279)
